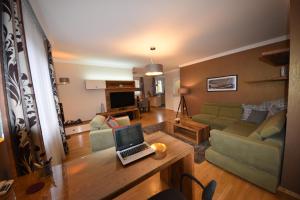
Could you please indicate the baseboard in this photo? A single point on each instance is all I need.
(288, 192)
(77, 129)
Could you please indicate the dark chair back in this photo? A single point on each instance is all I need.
(209, 190)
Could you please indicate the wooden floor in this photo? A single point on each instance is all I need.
(229, 186)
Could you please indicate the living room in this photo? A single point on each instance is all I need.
(149, 100)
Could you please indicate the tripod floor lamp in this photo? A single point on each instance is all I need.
(182, 104)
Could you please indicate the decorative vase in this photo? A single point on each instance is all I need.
(283, 71)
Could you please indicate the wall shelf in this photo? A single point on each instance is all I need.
(278, 57)
(120, 85)
(269, 80)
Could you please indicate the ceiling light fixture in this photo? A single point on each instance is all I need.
(153, 69)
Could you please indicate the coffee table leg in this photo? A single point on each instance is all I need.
(172, 174)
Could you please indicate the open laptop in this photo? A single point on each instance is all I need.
(130, 144)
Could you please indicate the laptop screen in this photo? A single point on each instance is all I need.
(128, 136)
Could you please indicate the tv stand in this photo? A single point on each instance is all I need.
(135, 111)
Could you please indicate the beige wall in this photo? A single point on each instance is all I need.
(291, 163)
(247, 66)
(171, 100)
(77, 101)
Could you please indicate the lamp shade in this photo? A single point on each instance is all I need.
(183, 90)
(154, 69)
(64, 80)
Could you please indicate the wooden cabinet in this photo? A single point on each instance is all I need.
(103, 84)
(120, 84)
(95, 84)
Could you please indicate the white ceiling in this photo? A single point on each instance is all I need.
(118, 33)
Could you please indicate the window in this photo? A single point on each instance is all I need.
(137, 85)
(159, 87)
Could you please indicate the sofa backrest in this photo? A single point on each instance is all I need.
(223, 110)
(97, 122)
(234, 111)
(210, 109)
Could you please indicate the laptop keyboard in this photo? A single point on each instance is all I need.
(134, 150)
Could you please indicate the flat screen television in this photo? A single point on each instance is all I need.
(121, 99)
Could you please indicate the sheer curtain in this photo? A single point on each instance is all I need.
(38, 61)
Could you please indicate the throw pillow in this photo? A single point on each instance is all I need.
(257, 116)
(97, 122)
(255, 135)
(247, 109)
(273, 125)
(112, 122)
(276, 106)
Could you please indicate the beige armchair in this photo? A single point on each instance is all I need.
(101, 135)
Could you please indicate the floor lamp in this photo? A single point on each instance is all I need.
(182, 104)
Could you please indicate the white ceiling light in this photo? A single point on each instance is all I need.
(153, 69)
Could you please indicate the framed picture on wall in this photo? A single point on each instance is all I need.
(222, 83)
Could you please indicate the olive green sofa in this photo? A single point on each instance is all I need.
(253, 152)
(101, 135)
(219, 116)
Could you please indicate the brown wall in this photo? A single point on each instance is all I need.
(246, 65)
(291, 164)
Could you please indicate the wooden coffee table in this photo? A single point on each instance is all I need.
(192, 131)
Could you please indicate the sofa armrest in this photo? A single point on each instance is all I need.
(123, 121)
(246, 150)
(101, 139)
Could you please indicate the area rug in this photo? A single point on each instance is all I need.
(199, 149)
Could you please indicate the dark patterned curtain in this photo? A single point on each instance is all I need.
(24, 120)
(55, 96)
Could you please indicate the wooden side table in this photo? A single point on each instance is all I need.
(192, 131)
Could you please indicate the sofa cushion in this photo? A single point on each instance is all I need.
(241, 128)
(203, 118)
(234, 112)
(97, 122)
(255, 135)
(273, 125)
(277, 139)
(247, 109)
(211, 109)
(257, 116)
(221, 122)
(123, 121)
(104, 126)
